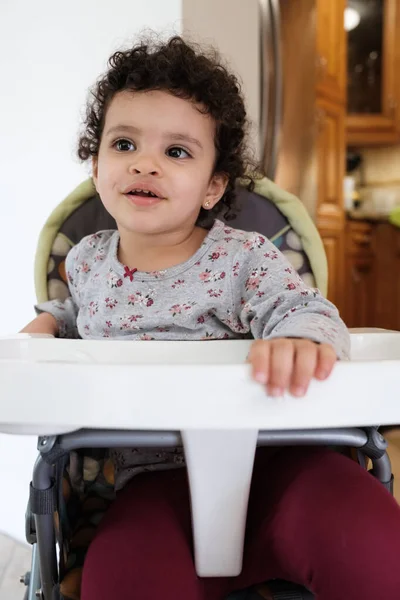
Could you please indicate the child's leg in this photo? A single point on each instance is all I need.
(315, 518)
(318, 519)
(143, 546)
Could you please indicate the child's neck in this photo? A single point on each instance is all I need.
(149, 253)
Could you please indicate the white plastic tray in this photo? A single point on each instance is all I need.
(204, 390)
(53, 386)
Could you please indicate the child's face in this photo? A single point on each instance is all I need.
(158, 142)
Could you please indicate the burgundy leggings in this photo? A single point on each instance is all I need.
(315, 518)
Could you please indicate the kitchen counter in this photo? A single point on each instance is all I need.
(363, 214)
(377, 203)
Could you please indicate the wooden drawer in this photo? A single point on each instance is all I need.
(372, 268)
(359, 238)
(360, 298)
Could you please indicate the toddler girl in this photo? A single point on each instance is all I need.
(165, 131)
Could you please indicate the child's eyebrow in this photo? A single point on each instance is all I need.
(122, 129)
(182, 137)
(177, 137)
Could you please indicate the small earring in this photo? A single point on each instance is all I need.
(207, 204)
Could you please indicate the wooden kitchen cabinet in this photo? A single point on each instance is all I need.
(329, 156)
(359, 293)
(333, 245)
(387, 271)
(359, 279)
(372, 268)
(373, 67)
(330, 148)
(331, 50)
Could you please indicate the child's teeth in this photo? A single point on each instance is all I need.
(147, 192)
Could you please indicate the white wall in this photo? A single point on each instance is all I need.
(50, 53)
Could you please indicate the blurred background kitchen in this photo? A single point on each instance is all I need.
(328, 127)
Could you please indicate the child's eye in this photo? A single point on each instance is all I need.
(123, 145)
(177, 152)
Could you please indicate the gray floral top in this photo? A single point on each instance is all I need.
(236, 285)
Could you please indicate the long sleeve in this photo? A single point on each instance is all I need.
(271, 300)
(65, 312)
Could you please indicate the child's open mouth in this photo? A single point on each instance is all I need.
(143, 193)
(141, 197)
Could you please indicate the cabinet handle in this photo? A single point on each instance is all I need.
(357, 272)
(355, 275)
(322, 64)
(320, 118)
(363, 240)
(392, 104)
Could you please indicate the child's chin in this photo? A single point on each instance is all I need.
(147, 225)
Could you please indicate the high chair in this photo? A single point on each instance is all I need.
(53, 388)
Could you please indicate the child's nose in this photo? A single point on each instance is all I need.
(145, 165)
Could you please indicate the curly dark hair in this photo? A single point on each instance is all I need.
(189, 72)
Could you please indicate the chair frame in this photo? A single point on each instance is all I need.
(44, 575)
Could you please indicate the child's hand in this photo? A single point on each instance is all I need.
(290, 364)
(45, 323)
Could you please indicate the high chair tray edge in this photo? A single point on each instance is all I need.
(52, 386)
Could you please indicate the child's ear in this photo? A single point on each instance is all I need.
(216, 190)
(95, 163)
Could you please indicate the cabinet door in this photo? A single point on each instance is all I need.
(333, 244)
(359, 292)
(387, 276)
(331, 49)
(330, 148)
(360, 298)
(330, 172)
(373, 66)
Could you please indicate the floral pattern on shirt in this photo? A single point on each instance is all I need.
(237, 285)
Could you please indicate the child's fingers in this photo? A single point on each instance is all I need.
(305, 362)
(259, 357)
(281, 366)
(326, 360)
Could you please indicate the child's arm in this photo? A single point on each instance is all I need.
(55, 316)
(299, 333)
(63, 313)
(44, 323)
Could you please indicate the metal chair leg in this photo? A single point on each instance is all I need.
(47, 559)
